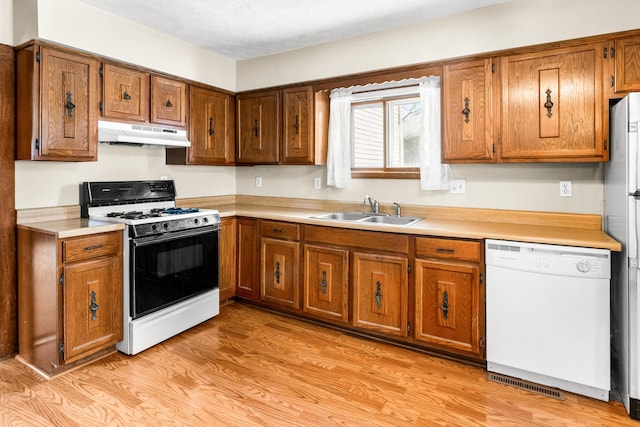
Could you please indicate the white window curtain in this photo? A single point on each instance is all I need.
(339, 150)
(434, 175)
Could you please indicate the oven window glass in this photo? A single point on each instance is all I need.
(172, 270)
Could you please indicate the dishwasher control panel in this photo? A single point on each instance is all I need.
(549, 259)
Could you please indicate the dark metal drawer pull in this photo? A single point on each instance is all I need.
(445, 251)
(93, 248)
(277, 230)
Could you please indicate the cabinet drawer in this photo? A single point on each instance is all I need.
(465, 250)
(280, 230)
(91, 246)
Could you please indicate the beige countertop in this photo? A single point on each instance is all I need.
(489, 228)
(73, 227)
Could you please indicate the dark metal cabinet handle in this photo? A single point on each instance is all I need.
(296, 125)
(69, 106)
(277, 230)
(378, 294)
(445, 305)
(168, 104)
(445, 250)
(93, 248)
(277, 273)
(548, 105)
(323, 283)
(126, 96)
(210, 126)
(256, 128)
(466, 110)
(94, 306)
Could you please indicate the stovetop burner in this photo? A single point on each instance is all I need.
(153, 213)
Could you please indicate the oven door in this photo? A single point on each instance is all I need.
(172, 267)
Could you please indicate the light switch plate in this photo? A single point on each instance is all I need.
(317, 183)
(258, 181)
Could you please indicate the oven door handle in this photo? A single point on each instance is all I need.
(165, 237)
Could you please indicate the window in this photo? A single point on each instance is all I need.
(387, 130)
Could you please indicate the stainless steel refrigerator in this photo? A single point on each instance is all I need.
(622, 222)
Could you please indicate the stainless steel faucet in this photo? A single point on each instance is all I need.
(398, 208)
(375, 206)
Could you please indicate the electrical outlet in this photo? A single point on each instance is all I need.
(565, 188)
(258, 181)
(459, 186)
(317, 183)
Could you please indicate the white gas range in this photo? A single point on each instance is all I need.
(171, 271)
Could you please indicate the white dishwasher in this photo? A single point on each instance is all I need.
(547, 315)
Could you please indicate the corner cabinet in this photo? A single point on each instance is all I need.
(69, 298)
(467, 134)
(449, 295)
(552, 105)
(57, 101)
(248, 261)
(211, 130)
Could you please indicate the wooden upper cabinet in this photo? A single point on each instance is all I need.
(552, 105)
(258, 127)
(298, 126)
(57, 105)
(627, 64)
(168, 101)
(467, 131)
(211, 130)
(125, 93)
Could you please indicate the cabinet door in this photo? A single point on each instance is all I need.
(125, 93)
(552, 105)
(280, 277)
(211, 127)
(449, 306)
(92, 306)
(227, 250)
(326, 282)
(627, 64)
(69, 105)
(248, 284)
(467, 133)
(380, 293)
(258, 124)
(168, 101)
(298, 143)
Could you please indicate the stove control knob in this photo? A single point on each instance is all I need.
(196, 220)
(154, 227)
(205, 219)
(165, 225)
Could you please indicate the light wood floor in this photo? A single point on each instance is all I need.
(248, 367)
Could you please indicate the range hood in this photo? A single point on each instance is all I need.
(141, 135)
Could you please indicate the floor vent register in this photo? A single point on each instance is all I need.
(526, 385)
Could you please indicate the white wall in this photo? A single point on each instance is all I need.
(518, 23)
(44, 184)
(6, 22)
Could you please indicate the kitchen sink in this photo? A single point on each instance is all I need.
(369, 217)
(392, 220)
(343, 216)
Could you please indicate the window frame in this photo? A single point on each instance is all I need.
(385, 171)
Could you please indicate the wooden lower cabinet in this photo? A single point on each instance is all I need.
(248, 261)
(449, 296)
(447, 306)
(326, 283)
(69, 297)
(380, 297)
(227, 247)
(280, 272)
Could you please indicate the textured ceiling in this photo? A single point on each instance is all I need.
(244, 29)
